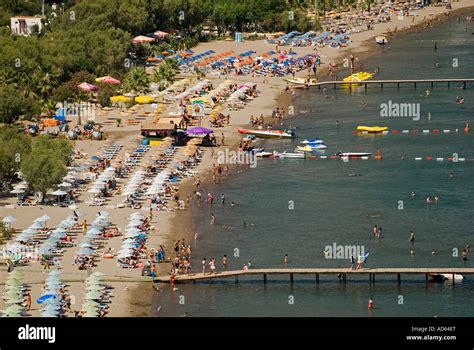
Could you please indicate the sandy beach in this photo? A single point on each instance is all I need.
(132, 293)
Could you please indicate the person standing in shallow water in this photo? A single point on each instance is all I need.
(285, 259)
(224, 261)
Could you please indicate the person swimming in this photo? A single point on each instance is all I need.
(413, 194)
(436, 198)
(428, 199)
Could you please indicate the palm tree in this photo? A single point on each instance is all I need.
(166, 72)
(137, 79)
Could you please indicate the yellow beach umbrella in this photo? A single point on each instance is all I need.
(144, 99)
(120, 98)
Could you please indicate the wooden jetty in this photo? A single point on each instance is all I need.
(397, 82)
(342, 273)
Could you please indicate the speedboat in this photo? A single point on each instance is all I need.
(307, 142)
(302, 81)
(371, 129)
(263, 154)
(381, 40)
(292, 155)
(277, 134)
(352, 154)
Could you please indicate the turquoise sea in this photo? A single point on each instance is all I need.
(330, 206)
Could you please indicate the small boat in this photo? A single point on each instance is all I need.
(256, 150)
(302, 81)
(292, 155)
(381, 40)
(263, 154)
(306, 141)
(372, 129)
(277, 134)
(352, 154)
(441, 277)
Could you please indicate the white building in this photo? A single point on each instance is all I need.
(25, 25)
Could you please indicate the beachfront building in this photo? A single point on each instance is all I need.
(162, 128)
(26, 25)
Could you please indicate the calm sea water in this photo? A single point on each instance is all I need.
(332, 207)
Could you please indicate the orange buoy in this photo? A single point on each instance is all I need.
(466, 128)
(395, 131)
(313, 157)
(436, 130)
(333, 157)
(378, 156)
(429, 158)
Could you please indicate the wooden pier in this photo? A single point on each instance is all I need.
(397, 83)
(342, 273)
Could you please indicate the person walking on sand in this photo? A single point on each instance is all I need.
(222, 199)
(84, 226)
(28, 301)
(213, 219)
(153, 273)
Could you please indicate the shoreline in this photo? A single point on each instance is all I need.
(363, 45)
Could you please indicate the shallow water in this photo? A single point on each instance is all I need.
(332, 207)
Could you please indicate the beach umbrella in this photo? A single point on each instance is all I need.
(59, 193)
(108, 80)
(88, 87)
(13, 311)
(42, 218)
(93, 294)
(18, 191)
(45, 297)
(144, 99)
(85, 251)
(198, 130)
(48, 313)
(8, 219)
(36, 226)
(142, 39)
(96, 274)
(120, 98)
(94, 190)
(64, 184)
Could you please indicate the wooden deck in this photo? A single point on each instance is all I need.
(316, 272)
(398, 82)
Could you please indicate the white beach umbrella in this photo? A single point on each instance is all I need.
(8, 219)
(94, 190)
(42, 218)
(64, 184)
(59, 193)
(18, 191)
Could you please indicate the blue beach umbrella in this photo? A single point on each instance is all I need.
(45, 297)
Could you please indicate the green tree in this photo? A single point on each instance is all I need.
(14, 105)
(13, 147)
(45, 166)
(137, 79)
